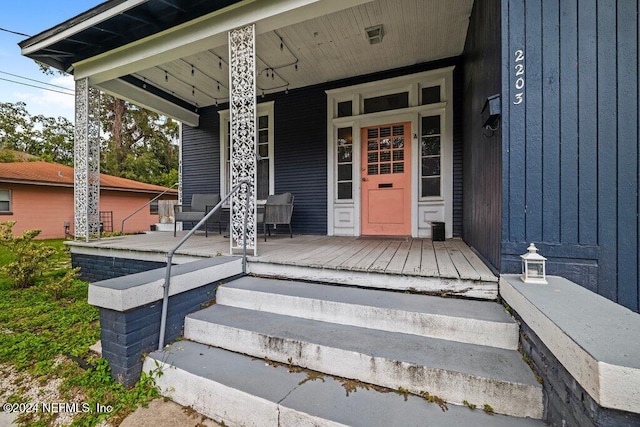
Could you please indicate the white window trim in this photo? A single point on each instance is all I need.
(265, 108)
(413, 83)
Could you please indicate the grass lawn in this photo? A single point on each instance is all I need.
(46, 340)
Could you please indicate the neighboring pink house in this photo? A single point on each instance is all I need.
(40, 195)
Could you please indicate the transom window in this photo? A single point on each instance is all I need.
(430, 95)
(345, 109)
(386, 102)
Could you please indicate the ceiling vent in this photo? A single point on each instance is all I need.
(375, 34)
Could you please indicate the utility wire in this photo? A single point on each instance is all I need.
(37, 87)
(14, 32)
(34, 80)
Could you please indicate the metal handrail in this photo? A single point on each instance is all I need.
(145, 205)
(167, 278)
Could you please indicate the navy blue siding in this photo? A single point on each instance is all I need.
(628, 237)
(458, 148)
(300, 149)
(300, 153)
(571, 149)
(482, 150)
(200, 154)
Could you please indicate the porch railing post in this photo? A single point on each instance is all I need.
(242, 108)
(86, 161)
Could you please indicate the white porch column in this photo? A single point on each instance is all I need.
(87, 161)
(242, 108)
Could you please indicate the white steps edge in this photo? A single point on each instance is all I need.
(460, 329)
(234, 407)
(504, 397)
(397, 282)
(210, 398)
(287, 402)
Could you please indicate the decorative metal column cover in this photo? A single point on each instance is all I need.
(87, 161)
(242, 100)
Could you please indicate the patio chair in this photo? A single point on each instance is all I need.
(277, 211)
(201, 204)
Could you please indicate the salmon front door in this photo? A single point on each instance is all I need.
(386, 180)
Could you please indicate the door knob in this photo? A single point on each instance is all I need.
(365, 179)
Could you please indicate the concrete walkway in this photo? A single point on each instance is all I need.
(165, 413)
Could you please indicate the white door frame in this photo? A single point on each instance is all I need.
(344, 215)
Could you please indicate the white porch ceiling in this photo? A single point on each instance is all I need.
(326, 48)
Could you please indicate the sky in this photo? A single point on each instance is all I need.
(32, 17)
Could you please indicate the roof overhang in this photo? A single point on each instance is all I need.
(210, 30)
(154, 101)
(173, 64)
(71, 185)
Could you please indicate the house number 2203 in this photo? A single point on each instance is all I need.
(519, 83)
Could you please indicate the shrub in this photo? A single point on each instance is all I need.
(55, 286)
(31, 258)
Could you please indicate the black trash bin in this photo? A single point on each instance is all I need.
(437, 231)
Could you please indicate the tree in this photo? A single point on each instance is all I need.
(46, 137)
(139, 144)
(136, 143)
(53, 140)
(16, 127)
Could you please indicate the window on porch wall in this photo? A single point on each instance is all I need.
(264, 149)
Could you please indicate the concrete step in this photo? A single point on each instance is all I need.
(241, 391)
(453, 371)
(135, 290)
(475, 322)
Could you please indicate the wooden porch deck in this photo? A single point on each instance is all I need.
(451, 259)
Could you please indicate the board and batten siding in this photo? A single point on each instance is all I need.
(482, 148)
(570, 141)
(300, 149)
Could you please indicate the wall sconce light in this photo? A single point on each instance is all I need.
(490, 114)
(375, 34)
(533, 266)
